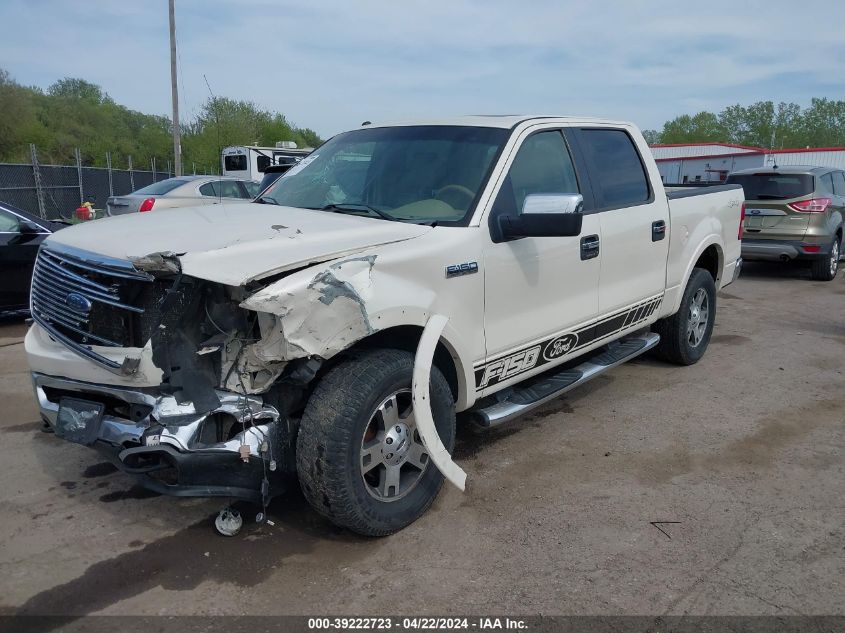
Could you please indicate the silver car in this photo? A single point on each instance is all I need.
(184, 191)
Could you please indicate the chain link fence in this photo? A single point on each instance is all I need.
(55, 191)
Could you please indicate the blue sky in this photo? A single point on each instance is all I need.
(331, 64)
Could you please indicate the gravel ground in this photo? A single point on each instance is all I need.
(712, 489)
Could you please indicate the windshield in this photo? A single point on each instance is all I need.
(415, 173)
(773, 186)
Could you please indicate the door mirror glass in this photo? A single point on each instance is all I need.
(513, 227)
(27, 227)
(539, 203)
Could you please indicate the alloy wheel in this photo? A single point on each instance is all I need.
(393, 457)
(699, 315)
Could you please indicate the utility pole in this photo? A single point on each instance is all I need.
(174, 91)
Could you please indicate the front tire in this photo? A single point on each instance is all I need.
(824, 269)
(685, 335)
(359, 457)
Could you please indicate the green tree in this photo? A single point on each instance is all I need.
(700, 128)
(823, 124)
(652, 137)
(74, 113)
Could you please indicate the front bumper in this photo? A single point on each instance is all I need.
(782, 250)
(231, 451)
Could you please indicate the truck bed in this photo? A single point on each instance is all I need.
(674, 193)
(701, 216)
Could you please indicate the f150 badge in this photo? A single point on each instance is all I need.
(456, 270)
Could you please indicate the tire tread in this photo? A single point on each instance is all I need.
(673, 347)
(326, 430)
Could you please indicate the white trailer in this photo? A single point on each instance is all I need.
(250, 161)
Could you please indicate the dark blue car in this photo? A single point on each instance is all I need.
(21, 234)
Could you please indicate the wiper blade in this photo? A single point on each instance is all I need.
(344, 207)
(769, 196)
(265, 200)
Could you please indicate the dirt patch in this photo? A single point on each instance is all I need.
(471, 440)
(757, 450)
(99, 470)
(732, 339)
(196, 555)
(135, 492)
(26, 427)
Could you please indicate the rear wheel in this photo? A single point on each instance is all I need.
(360, 459)
(824, 269)
(685, 335)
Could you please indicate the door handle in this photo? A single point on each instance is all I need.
(589, 247)
(658, 230)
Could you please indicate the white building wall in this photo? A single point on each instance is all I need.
(692, 151)
(674, 171)
(835, 158)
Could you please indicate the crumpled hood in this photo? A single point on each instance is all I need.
(236, 243)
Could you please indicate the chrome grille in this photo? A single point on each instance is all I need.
(83, 299)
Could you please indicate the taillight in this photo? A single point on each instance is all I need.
(147, 205)
(816, 205)
(741, 220)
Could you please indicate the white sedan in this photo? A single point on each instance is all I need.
(184, 191)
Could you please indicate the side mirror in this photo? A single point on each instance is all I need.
(27, 227)
(545, 215)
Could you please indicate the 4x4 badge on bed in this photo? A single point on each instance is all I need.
(560, 346)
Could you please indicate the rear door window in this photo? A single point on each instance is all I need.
(616, 170)
(771, 186)
(252, 188)
(826, 184)
(230, 189)
(210, 189)
(224, 189)
(839, 183)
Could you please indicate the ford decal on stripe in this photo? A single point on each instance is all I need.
(560, 346)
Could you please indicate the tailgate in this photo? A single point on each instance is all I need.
(774, 220)
(768, 196)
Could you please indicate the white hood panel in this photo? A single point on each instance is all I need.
(233, 244)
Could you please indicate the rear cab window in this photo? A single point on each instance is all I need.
(616, 171)
(772, 186)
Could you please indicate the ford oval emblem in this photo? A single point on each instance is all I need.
(560, 346)
(78, 303)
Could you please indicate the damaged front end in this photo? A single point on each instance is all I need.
(221, 421)
(233, 450)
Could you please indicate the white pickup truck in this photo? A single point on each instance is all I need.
(399, 274)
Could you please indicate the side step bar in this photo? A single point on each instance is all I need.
(540, 389)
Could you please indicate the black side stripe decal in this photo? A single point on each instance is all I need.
(562, 344)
